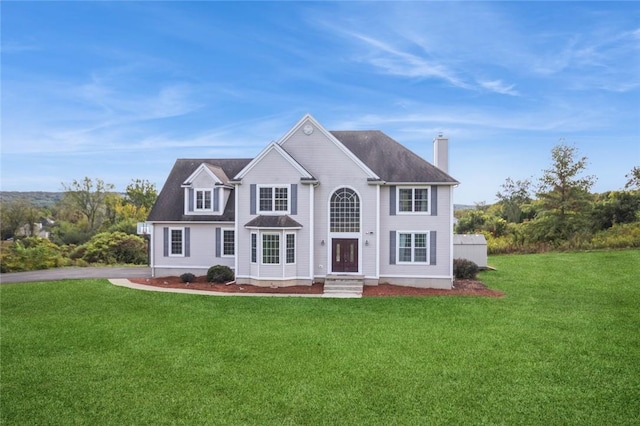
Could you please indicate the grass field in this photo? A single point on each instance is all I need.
(562, 347)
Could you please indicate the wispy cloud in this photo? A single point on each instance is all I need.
(404, 46)
(551, 119)
(499, 87)
(604, 58)
(395, 61)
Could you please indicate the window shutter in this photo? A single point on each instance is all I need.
(252, 194)
(392, 247)
(165, 241)
(190, 199)
(392, 200)
(216, 199)
(218, 241)
(294, 199)
(434, 201)
(187, 242)
(432, 247)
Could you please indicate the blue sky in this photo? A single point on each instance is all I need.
(119, 90)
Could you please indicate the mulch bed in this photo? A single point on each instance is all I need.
(460, 288)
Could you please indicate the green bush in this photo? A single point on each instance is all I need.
(624, 235)
(464, 269)
(187, 277)
(30, 254)
(70, 233)
(219, 274)
(113, 248)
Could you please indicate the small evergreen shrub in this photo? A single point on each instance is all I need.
(464, 269)
(187, 277)
(219, 274)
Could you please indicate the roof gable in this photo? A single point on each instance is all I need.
(273, 147)
(309, 120)
(214, 172)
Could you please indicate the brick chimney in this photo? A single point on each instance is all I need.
(441, 153)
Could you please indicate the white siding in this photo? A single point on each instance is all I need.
(440, 223)
(202, 249)
(276, 170)
(472, 247)
(334, 170)
(203, 180)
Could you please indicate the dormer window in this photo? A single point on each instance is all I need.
(203, 199)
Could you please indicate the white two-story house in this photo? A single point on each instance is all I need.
(314, 204)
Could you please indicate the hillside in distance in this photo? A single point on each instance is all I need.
(37, 198)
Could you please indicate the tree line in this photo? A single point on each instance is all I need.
(558, 211)
(91, 223)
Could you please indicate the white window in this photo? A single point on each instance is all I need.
(412, 247)
(176, 241)
(344, 211)
(271, 249)
(290, 256)
(228, 242)
(413, 200)
(203, 199)
(254, 247)
(273, 199)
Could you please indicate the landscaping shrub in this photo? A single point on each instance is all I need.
(219, 274)
(30, 254)
(187, 277)
(464, 269)
(112, 248)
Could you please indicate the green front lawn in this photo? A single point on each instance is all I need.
(562, 347)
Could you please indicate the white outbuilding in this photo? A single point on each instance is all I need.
(472, 247)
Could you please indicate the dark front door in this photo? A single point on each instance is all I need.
(345, 255)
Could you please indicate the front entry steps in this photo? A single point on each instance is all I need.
(343, 286)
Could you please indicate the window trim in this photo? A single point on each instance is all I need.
(413, 247)
(182, 242)
(278, 251)
(273, 210)
(335, 224)
(222, 248)
(254, 247)
(287, 248)
(413, 200)
(195, 199)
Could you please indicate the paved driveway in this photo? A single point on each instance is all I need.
(76, 273)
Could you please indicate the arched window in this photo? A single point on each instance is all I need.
(345, 211)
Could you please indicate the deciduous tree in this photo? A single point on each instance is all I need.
(633, 177)
(88, 196)
(16, 214)
(513, 196)
(141, 193)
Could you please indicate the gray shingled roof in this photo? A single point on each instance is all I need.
(390, 160)
(273, 222)
(170, 204)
